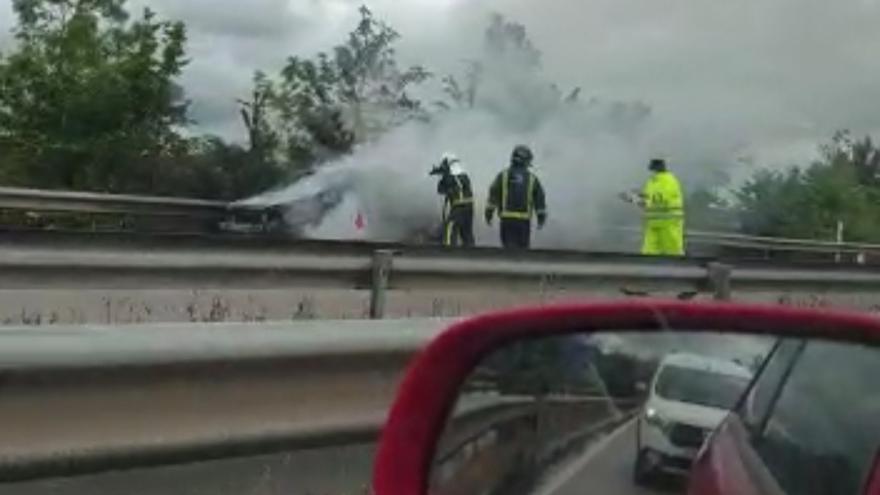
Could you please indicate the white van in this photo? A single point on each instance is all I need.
(689, 396)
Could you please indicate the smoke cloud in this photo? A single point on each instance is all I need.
(586, 151)
(582, 159)
(716, 89)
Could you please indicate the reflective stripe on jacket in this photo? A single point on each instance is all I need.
(457, 190)
(517, 194)
(464, 196)
(663, 198)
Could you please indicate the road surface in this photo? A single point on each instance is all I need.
(606, 469)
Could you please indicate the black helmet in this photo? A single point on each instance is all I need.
(522, 156)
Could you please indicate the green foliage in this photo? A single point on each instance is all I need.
(319, 108)
(844, 185)
(541, 367)
(87, 95)
(254, 115)
(213, 169)
(706, 210)
(88, 100)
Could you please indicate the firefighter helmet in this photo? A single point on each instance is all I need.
(522, 156)
(449, 158)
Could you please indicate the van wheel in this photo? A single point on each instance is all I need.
(643, 472)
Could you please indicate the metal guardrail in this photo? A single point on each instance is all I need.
(89, 261)
(496, 443)
(160, 395)
(95, 399)
(46, 201)
(853, 251)
(38, 200)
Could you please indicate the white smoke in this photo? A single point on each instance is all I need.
(586, 152)
(582, 159)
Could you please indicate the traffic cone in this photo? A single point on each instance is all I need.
(359, 222)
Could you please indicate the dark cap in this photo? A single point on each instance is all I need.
(657, 165)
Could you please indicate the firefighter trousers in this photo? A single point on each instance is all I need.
(458, 228)
(516, 233)
(664, 237)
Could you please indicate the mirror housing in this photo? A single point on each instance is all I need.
(430, 386)
(872, 483)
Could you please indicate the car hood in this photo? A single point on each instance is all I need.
(687, 413)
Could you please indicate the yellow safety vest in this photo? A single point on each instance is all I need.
(663, 198)
(513, 214)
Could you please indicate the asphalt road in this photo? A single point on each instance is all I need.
(606, 469)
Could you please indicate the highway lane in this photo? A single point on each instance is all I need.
(606, 469)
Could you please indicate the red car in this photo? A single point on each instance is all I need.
(808, 425)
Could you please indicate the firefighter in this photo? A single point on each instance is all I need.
(458, 206)
(517, 195)
(663, 206)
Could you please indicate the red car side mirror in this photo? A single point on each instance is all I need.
(454, 364)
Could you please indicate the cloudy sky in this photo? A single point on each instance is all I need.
(791, 70)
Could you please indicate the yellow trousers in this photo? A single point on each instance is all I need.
(664, 237)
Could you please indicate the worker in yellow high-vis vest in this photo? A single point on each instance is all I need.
(663, 205)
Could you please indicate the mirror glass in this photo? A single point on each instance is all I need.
(628, 413)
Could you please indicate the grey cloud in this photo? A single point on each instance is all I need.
(757, 67)
(254, 19)
(741, 79)
(6, 23)
(229, 41)
(770, 75)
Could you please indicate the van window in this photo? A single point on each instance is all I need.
(705, 388)
(823, 431)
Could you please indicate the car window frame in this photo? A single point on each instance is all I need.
(754, 428)
(757, 429)
(757, 436)
(871, 482)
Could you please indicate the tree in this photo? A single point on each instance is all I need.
(369, 80)
(508, 42)
(706, 210)
(262, 138)
(321, 107)
(808, 202)
(462, 95)
(86, 95)
(543, 366)
(506, 79)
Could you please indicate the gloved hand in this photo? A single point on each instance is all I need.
(542, 220)
(489, 215)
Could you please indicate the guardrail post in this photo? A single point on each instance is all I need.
(382, 261)
(719, 280)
